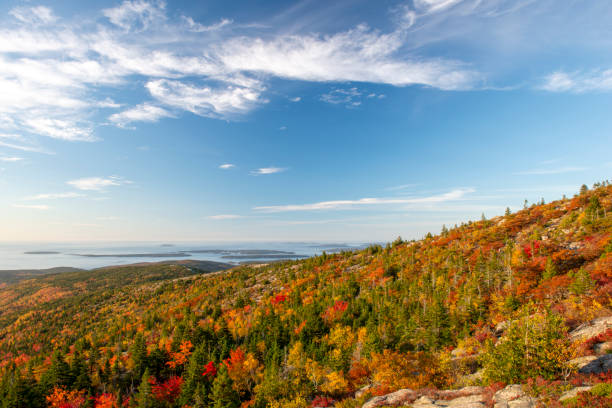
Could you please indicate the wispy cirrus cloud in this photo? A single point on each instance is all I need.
(268, 170)
(40, 207)
(224, 217)
(579, 82)
(97, 183)
(140, 113)
(51, 73)
(33, 15)
(556, 170)
(10, 159)
(136, 14)
(348, 204)
(54, 196)
(227, 166)
(200, 28)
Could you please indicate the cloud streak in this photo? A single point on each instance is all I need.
(579, 82)
(40, 207)
(97, 183)
(54, 196)
(140, 113)
(224, 217)
(558, 170)
(349, 204)
(268, 170)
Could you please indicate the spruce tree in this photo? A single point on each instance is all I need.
(222, 394)
(144, 399)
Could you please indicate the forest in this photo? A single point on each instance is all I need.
(332, 330)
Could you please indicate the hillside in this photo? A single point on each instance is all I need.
(487, 303)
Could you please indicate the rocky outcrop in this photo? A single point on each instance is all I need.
(593, 364)
(395, 399)
(603, 348)
(574, 392)
(591, 329)
(512, 396)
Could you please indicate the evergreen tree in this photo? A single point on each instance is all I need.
(58, 374)
(79, 372)
(222, 394)
(139, 355)
(144, 399)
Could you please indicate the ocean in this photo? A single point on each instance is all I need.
(15, 256)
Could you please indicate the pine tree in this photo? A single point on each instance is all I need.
(79, 372)
(144, 399)
(139, 355)
(549, 270)
(223, 395)
(193, 377)
(58, 374)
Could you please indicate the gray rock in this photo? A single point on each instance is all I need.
(424, 402)
(593, 364)
(501, 327)
(591, 329)
(582, 361)
(603, 348)
(511, 392)
(394, 399)
(573, 392)
(465, 391)
(524, 402)
(359, 393)
(472, 401)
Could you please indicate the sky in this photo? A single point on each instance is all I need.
(350, 120)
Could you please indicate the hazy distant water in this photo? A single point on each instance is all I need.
(95, 255)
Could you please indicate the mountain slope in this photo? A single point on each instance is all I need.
(303, 333)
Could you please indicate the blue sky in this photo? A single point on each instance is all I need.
(295, 120)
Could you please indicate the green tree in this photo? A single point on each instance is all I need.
(534, 345)
(223, 394)
(144, 399)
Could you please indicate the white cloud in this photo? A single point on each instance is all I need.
(34, 15)
(60, 129)
(51, 74)
(205, 101)
(433, 6)
(348, 97)
(347, 204)
(224, 217)
(53, 196)
(22, 147)
(558, 170)
(401, 187)
(97, 183)
(10, 158)
(140, 113)
(227, 166)
(360, 54)
(32, 206)
(577, 82)
(136, 14)
(199, 28)
(268, 170)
